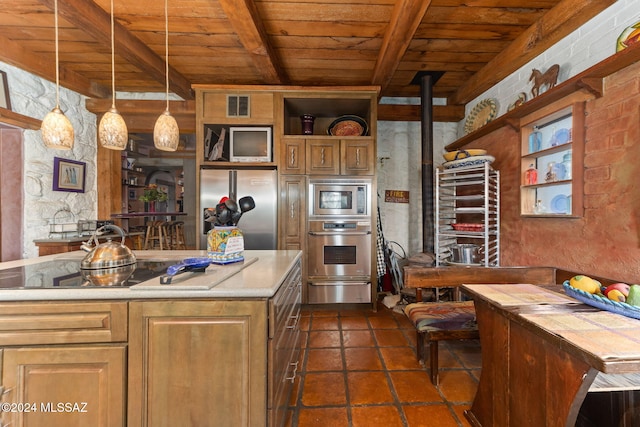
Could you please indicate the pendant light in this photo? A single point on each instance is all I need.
(166, 134)
(112, 131)
(56, 128)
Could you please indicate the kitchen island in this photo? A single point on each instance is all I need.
(201, 351)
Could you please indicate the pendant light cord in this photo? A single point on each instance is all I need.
(113, 63)
(166, 48)
(57, 57)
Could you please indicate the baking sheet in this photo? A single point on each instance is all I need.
(213, 275)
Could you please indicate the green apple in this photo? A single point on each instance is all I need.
(634, 295)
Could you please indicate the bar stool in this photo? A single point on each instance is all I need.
(156, 234)
(176, 235)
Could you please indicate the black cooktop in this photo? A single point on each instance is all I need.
(66, 274)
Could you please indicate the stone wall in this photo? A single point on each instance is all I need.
(35, 97)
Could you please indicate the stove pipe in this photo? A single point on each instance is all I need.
(426, 99)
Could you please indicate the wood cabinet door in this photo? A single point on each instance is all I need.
(357, 157)
(292, 211)
(323, 157)
(292, 157)
(65, 386)
(198, 363)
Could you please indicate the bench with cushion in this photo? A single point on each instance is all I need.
(455, 319)
(444, 320)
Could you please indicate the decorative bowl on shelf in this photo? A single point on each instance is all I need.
(602, 303)
(628, 37)
(463, 154)
(348, 126)
(480, 115)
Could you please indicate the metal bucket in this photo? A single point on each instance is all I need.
(465, 253)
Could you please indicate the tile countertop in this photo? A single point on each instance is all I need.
(261, 278)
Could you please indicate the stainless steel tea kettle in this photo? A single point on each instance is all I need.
(108, 254)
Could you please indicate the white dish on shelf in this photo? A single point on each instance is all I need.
(560, 204)
(469, 161)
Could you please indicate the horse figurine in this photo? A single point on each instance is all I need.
(549, 78)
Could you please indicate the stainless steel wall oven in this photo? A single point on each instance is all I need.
(339, 261)
(339, 241)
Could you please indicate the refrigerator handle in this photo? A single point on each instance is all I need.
(233, 184)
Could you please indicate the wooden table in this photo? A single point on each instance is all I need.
(125, 217)
(541, 352)
(70, 244)
(147, 215)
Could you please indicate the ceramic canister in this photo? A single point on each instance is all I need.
(225, 245)
(307, 121)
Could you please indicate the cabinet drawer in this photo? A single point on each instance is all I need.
(284, 362)
(60, 323)
(281, 305)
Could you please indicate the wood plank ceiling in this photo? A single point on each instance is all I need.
(475, 43)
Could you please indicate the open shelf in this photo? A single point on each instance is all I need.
(325, 110)
(589, 81)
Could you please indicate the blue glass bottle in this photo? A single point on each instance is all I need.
(535, 140)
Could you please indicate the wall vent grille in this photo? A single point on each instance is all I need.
(237, 106)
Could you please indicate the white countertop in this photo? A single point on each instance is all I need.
(260, 279)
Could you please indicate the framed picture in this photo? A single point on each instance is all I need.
(5, 102)
(68, 175)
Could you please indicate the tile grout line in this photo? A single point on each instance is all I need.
(296, 405)
(390, 384)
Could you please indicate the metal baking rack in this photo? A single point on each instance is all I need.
(60, 228)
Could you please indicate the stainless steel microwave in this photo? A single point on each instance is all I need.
(339, 197)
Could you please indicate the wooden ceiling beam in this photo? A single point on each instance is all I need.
(405, 19)
(246, 22)
(15, 54)
(556, 24)
(413, 113)
(93, 20)
(140, 115)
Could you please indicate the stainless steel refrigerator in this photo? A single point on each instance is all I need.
(258, 225)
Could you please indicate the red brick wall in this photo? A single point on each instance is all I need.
(606, 240)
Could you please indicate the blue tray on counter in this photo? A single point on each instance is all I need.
(602, 303)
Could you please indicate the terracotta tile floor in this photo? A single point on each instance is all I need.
(359, 368)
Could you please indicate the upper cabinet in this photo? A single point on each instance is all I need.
(247, 112)
(327, 131)
(552, 142)
(327, 108)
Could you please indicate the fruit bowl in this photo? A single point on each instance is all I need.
(602, 303)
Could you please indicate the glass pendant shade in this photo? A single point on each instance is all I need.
(56, 128)
(166, 135)
(112, 131)
(57, 131)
